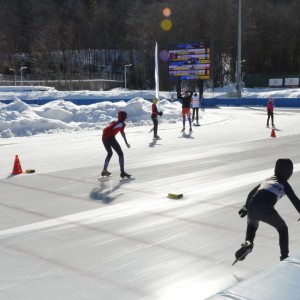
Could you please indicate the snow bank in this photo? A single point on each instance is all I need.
(20, 119)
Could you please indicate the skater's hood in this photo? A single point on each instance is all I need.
(284, 168)
(122, 115)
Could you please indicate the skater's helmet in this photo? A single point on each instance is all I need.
(155, 100)
(284, 168)
(271, 99)
(122, 115)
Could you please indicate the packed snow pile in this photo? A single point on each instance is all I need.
(20, 119)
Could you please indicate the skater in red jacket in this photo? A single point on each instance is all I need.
(260, 207)
(110, 142)
(270, 110)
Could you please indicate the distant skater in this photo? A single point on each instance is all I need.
(154, 115)
(110, 142)
(195, 103)
(202, 104)
(270, 109)
(260, 207)
(186, 109)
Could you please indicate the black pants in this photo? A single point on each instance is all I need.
(155, 124)
(270, 114)
(196, 110)
(273, 219)
(110, 144)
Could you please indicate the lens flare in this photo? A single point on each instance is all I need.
(164, 55)
(166, 12)
(166, 24)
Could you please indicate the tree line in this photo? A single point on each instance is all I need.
(74, 39)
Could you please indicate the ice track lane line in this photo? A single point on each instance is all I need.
(87, 215)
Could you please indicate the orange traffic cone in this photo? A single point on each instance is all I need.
(17, 166)
(273, 133)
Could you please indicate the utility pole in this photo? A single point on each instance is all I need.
(15, 75)
(239, 51)
(125, 74)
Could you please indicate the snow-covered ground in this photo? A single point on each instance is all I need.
(21, 119)
(64, 235)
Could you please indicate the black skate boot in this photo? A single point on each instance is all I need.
(105, 173)
(245, 249)
(283, 257)
(125, 175)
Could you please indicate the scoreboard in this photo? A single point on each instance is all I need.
(189, 61)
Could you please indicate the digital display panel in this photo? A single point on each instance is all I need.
(189, 61)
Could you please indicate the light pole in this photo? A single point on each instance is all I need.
(125, 73)
(236, 69)
(239, 51)
(15, 75)
(22, 68)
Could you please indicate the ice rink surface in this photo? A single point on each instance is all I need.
(64, 235)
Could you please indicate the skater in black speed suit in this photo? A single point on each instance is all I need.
(261, 201)
(154, 115)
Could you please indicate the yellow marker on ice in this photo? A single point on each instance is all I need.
(175, 195)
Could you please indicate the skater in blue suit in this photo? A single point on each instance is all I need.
(260, 207)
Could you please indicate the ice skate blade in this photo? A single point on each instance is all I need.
(242, 257)
(127, 179)
(103, 178)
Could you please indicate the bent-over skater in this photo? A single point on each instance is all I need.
(110, 142)
(260, 204)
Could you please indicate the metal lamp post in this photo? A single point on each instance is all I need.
(239, 63)
(125, 73)
(15, 75)
(239, 51)
(22, 68)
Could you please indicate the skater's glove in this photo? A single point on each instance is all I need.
(160, 113)
(243, 212)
